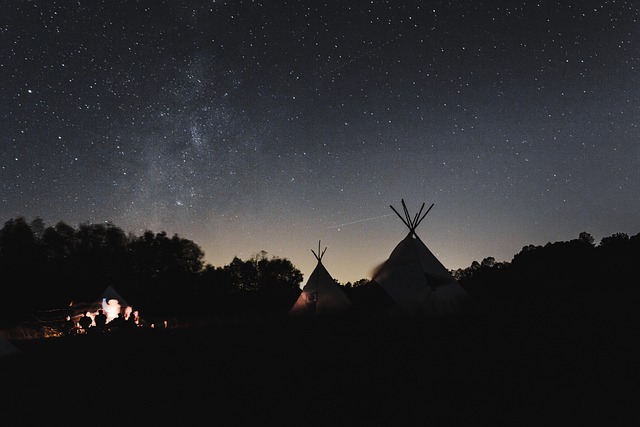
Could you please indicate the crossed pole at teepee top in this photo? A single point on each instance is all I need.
(319, 255)
(407, 220)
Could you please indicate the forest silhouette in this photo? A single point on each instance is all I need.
(44, 267)
(554, 341)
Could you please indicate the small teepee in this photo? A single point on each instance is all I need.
(415, 279)
(321, 295)
(110, 301)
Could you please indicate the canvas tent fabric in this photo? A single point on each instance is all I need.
(110, 301)
(414, 278)
(7, 348)
(110, 293)
(321, 295)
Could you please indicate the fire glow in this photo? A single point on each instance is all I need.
(112, 309)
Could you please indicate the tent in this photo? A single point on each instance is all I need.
(321, 295)
(110, 301)
(7, 348)
(416, 280)
(113, 304)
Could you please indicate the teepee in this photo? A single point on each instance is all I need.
(415, 279)
(7, 348)
(321, 295)
(110, 301)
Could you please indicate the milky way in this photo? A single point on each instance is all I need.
(261, 125)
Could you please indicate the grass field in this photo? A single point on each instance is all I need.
(571, 363)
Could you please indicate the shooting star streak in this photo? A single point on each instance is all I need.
(358, 221)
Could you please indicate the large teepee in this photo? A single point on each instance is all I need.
(321, 295)
(415, 279)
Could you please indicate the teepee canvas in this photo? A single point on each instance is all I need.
(321, 295)
(110, 301)
(416, 280)
(7, 348)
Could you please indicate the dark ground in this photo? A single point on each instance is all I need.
(551, 362)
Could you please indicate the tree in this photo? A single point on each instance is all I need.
(243, 275)
(20, 267)
(264, 274)
(615, 240)
(58, 243)
(585, 237)
(165, 271)
(100, 251)
(18, 244)
(488, 262)
(357, 283)
(278, 274)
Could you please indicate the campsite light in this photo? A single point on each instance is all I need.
(111, 308)
(129, 313)
(92, 315)
(320, 295)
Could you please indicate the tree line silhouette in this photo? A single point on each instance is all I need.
(51, 266)
(540, 274)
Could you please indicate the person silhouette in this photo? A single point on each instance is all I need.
(101, 321)
(117, 323)
(85, 322)
(131, 321)
(69, 326)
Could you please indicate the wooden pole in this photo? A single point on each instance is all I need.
(415, 218)
(406, 214)
(399, 216)
(425, 214)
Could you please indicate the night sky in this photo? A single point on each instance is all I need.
(270, 125)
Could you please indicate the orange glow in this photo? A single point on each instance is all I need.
(111, 308)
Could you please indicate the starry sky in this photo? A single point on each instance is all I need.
(271, 125)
